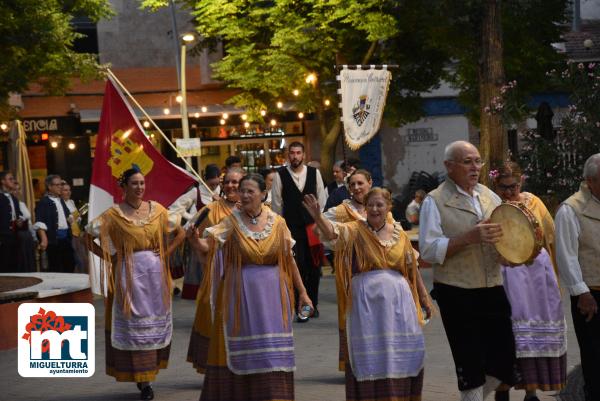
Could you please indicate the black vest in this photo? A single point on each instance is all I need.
(6, 214)
(293, 212)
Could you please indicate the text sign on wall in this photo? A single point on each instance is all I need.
(421, 135)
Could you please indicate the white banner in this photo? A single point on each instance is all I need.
(363, 95)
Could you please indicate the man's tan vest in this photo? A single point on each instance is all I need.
(587, 210)
(475, 266)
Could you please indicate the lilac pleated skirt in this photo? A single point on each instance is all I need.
(150, 325)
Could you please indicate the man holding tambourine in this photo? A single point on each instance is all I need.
(457, 239)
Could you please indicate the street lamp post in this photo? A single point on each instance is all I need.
(185, 127)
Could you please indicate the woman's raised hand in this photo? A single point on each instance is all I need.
(311, 204)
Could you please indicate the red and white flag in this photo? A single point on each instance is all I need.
(122, 145)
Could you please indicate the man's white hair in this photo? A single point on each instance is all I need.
(591, 167)
(452, 149)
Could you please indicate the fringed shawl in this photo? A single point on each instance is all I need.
(541, 213)
(359, 250)
(239, 247)
(120, 237)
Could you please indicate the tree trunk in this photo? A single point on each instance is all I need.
(329, 141)
(493, 142)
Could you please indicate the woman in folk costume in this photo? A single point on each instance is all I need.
(382, 294)
(134, 250)
(210, 215)
(249, 280)
(537, 316)
(352, 209)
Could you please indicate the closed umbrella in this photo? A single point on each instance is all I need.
(18, 161)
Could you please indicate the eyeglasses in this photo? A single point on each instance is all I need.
(512, 187)
(469, 162)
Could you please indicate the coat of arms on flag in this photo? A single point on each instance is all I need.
(363, 96)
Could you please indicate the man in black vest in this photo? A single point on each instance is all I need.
(53, 226)
(290, 184)
(10, 222)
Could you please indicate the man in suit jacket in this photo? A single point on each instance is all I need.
(52, 224)
(10, 221)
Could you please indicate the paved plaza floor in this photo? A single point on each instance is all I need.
(316, 377)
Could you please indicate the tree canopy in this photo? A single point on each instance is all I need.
(37, 42)
(275, 47)
(271, 47)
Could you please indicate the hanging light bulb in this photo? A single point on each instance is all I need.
(166, 111)
(3, 126)
(71, 145)
(327, 102)
(279, 105)
(146, 124)
(273, 122)
(263, 113)
(54, 144)
(204, 109)
(222, 122)
(246, 124)
(196, 115)
(301, 115)
(296, 92)
(310, 78)
(244, 117)
(225, 116)
(179, 98)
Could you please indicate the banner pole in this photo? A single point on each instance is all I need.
(124, 89)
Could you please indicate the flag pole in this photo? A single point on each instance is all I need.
(124, 89)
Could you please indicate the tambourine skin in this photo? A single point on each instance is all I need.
(522, 238)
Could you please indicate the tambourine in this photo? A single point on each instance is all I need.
(522, 238)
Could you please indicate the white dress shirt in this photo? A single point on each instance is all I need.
(62, 220)
(433, 245)
(567, 231)
(26, 215)
(300, 180)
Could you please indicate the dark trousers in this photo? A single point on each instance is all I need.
(8, 253)
(60, 256)
(588, 338)
(479, 330)
(311, 274)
